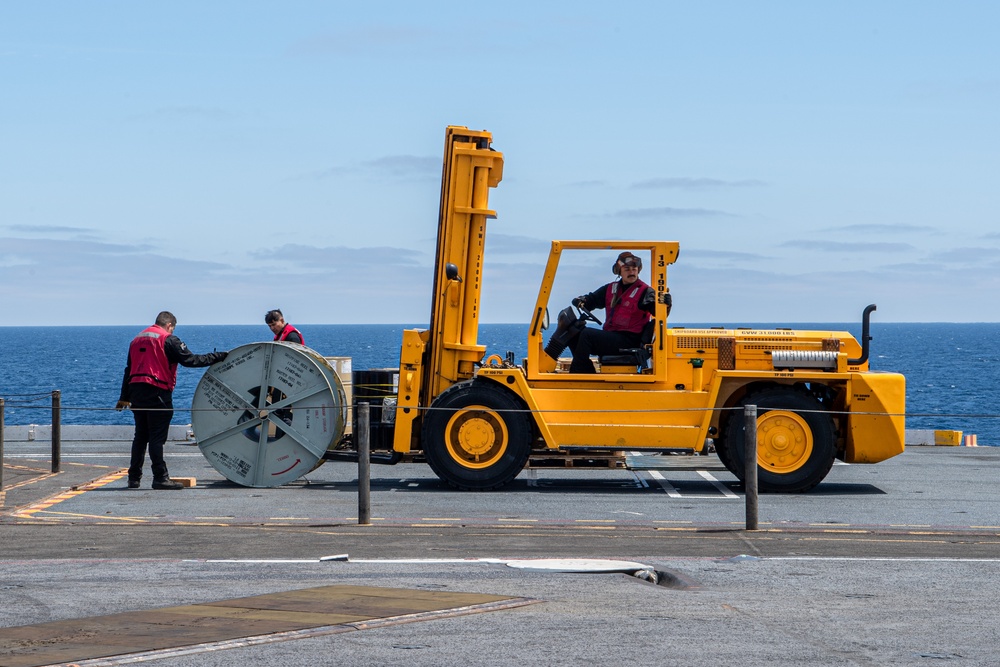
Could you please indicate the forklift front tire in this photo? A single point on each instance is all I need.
(476, 436)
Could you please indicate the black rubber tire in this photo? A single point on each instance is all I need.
(476, 415)
(810, 414)
(722, 450)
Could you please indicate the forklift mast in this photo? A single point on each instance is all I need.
(470, 169)
(447, 352)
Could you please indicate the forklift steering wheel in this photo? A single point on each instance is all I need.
(587, 315)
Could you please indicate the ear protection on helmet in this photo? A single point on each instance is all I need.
(615, 269)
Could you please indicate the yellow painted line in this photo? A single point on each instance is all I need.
(31, 481)
(848, 530)
(687, 523)
(441, 518)
(29, 511)
(14, 466)
(677, 529)
(193, 523)
(519, 520)
(108, 517)
(986, 527)
(594, 520)
(881, 540)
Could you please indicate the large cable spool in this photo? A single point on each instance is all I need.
(266, 415)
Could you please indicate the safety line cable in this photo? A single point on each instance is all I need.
(740, 408)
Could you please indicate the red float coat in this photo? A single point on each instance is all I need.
(622, 305)
(289, 329)
(148, 359)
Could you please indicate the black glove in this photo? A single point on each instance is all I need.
(666, 299)
(579, 302)
(219, 356)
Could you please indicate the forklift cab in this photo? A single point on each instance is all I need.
(565, 271)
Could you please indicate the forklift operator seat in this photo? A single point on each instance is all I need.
(636, 356)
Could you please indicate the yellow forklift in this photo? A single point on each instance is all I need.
(479, 421)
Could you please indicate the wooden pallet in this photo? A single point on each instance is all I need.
(600, 460)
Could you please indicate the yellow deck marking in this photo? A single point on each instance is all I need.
(80, 515)
(45, 475)
(432, 525)
(29, 511)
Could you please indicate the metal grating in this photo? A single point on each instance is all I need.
(727, 353)
(766, 347)
(695, 342)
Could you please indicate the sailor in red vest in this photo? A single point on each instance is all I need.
(630, 304)
(148, 386)
(276, 321)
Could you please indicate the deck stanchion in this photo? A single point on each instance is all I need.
(56, 430)
(1, 443)
(750, 461)
(364, 466)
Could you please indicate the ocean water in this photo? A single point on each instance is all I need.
(952, 370)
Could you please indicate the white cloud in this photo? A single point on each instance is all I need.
(688, 183)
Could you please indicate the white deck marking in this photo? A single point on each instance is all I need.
(672, 491)
(664, 484)
(723, 489)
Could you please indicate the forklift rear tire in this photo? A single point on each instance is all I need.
(477, 436)
(722, 451)
(796, 440)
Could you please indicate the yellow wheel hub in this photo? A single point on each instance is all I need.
(784, 441)
(476, 437)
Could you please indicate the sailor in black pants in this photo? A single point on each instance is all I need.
(148, 386)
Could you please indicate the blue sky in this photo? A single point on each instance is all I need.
(218, 159)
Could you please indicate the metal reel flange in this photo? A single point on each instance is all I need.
(266, 415)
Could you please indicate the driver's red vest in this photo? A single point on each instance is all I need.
(287, 330)
(621, 302)
(148, 359)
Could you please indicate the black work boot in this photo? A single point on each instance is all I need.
(133, 484)
(166, 483)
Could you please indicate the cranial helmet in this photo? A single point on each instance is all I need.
(624, 258)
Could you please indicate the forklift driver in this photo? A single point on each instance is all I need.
(630, 304)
